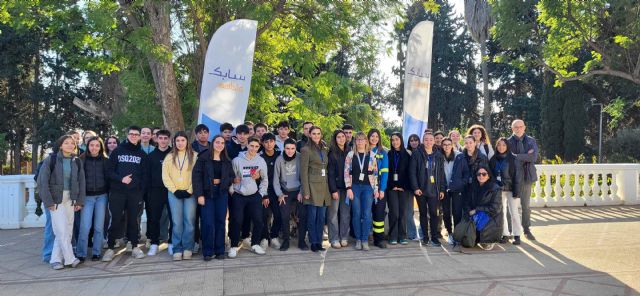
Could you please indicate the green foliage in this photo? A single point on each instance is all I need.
(624, 147)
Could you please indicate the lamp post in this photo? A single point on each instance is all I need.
(593, 103)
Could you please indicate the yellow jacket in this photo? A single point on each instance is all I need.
(172, 177)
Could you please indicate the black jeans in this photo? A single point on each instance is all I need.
(398, 202)
(271, 228)
(428, 207)
(119, 202)
(157, 199)
(452, 208)
(240, 204)
(292, 202)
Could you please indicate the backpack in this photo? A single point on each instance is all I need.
(465, 233)
(52, 166)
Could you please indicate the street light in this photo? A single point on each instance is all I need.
(593, 103)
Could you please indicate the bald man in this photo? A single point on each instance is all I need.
(525, 150)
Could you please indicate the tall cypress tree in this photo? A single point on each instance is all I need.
(552, 128)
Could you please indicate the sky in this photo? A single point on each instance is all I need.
(388, 61)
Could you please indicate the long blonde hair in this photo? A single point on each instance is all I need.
(188, 150)
(361, 135)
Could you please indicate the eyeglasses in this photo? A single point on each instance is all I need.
(134, 134)
(482, 174)
(446, 145)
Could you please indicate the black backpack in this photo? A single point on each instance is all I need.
(52, 166)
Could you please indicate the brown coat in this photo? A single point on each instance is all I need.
(313, 183)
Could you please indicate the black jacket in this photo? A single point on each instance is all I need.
(96, 174)
(128, 159)
(335, 169)
(156, 157)
(202, 176)
(487, 198)
(196, 147)
(480, 160)
(525, 162)
(418, 174)
(402, 170)
(271, 162)
(503, 165)
(460, 174)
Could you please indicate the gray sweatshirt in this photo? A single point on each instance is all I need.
(286, 175)
(243, 167)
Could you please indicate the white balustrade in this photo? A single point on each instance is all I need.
(17, 202)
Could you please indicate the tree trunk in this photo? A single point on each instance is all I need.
(162, 68)
(17, 152)
(485, 89)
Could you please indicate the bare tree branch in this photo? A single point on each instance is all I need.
(606, 71)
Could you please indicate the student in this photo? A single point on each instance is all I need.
(226, 130)
(457, 175)
(485, 200)
(157, 195)
(286, 184)
(283, 134)
(272, 209)
(339, 213)
(176, 176)
(315, 186)
(250, 125)
(247, 194)
(260, 129)
(438, 137)
(240, 145)
(212, 176)
(361, 180)
(399, 193)
(201, 143)
(481, 138)
(62, 191)
(154, 138)
(525, 150)
(145, 140)
(473, 156)
(426, 172)
(95, 163)
(380, 203)
(128, 177)
(86, 135)
(112, 144)
(413, 233)
(348, 131)
(503, 167)
(305, 135)
(454, 135)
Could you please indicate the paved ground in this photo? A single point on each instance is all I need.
(580, 251)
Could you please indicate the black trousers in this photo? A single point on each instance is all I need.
(398, 202)
(240, 204)
(119, 202)
(379, 213)
(452, 208)
(271, 217)
(291, 203)
(428, 207)
(157, 200)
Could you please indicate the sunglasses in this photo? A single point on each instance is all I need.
(482, 174)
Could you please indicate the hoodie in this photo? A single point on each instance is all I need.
(243, 168)
(128, 159)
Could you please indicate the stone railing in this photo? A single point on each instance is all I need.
(559, 185)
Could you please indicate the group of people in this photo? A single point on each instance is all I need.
(250, 188)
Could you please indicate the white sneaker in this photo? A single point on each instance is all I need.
(233, 252)
(170, 249)
(137, 253)
(153, 250)
(196, 248)
(177, 257)
(275, 243)
(246, 243)
(450, 240)
(108, 255)
(264, 244)
(118, 244)
(258, 249)
(187, 255)
(129, 247)
(105, 244)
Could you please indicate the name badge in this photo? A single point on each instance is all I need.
(361, 177)
(180, 179)
(323, 173)
(432, 179)
(395, 177)
(499, 178)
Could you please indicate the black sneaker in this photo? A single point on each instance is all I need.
(81, 259)
(95, 258)
(314, 248)
(220, 257)
(320, 247)
(516, 240)
(303, 247)
(529, 235)
(504, 239)
(435, 242)
(381, 245)
(207, 258)
(285, 245)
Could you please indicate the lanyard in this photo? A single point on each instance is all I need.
(499, 165)
(396, 158)
(321, 156)
(181, 165)
(361, 162)
(430, 161)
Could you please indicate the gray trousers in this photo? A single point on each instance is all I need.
(339, 216)
(525, 199)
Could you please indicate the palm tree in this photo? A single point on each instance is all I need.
(477, 14)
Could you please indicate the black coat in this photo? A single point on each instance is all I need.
(418, 175)
(504, 166)
(460, 175)
(96, 175)
(202, 176)
(480, 160)
(404, 181)
(335, 169)
(487, 198)
(156, 158)
(525, 162)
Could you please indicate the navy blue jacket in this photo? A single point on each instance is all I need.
(460, 174)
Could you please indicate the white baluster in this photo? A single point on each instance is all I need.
(537, 201)
(547, 189)
(559, 198)
(614, 187)
(31, 219)
(586, 188)
(605, 189)
(566, 189)
(577, 198)
(597, 199)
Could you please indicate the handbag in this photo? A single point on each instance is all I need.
(465, 233)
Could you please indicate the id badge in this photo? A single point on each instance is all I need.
(395, 177)
(323, 173)
(361, 177)
(180, 179)
(432, 179)
(499, 178)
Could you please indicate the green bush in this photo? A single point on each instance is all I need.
(624, 147)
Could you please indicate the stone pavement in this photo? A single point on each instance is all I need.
(579, 251)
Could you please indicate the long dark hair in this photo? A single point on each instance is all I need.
(370, 133)
(107, 141)
(320, 146)
(188, 149)
(101, 154)
(399, 135)
(412, 137)
(452, 155)
(223, 154)
(484, 138)
(57, 147)
(503, 140)
(334, 149)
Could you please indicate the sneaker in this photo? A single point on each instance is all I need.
(486, 246)
(450, 240)
(81, 259)
(393, 242)
(314, 248)
(404, 242)
(177, 256)
(75, 263)
(187, 255)
(264, 244)
(137, 253)
(95, 258)
(196, 248)
(105, 245)
(219, 257)
(358, 245)
(516, 240)
(529, 236)
(344, 243)
(153, 250)
(336, 245)
(170, 249)
(435, 242)
(207, 258)
(118, 244)
(129, 247)
(258, 249)
(275, 243)
(285, 245)
(365, 246)
(233, 252)
(504, 239)
(381, 245)
(303, 246)
(320, 247)
(108, 255)
(57, 266)
(416, 239)
(246, 243)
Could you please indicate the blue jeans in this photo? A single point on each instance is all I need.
(315, 223)
(92, 213)
(361, 211)
(49, 237)
(213, 216)
(183, 217)
(412, 233)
